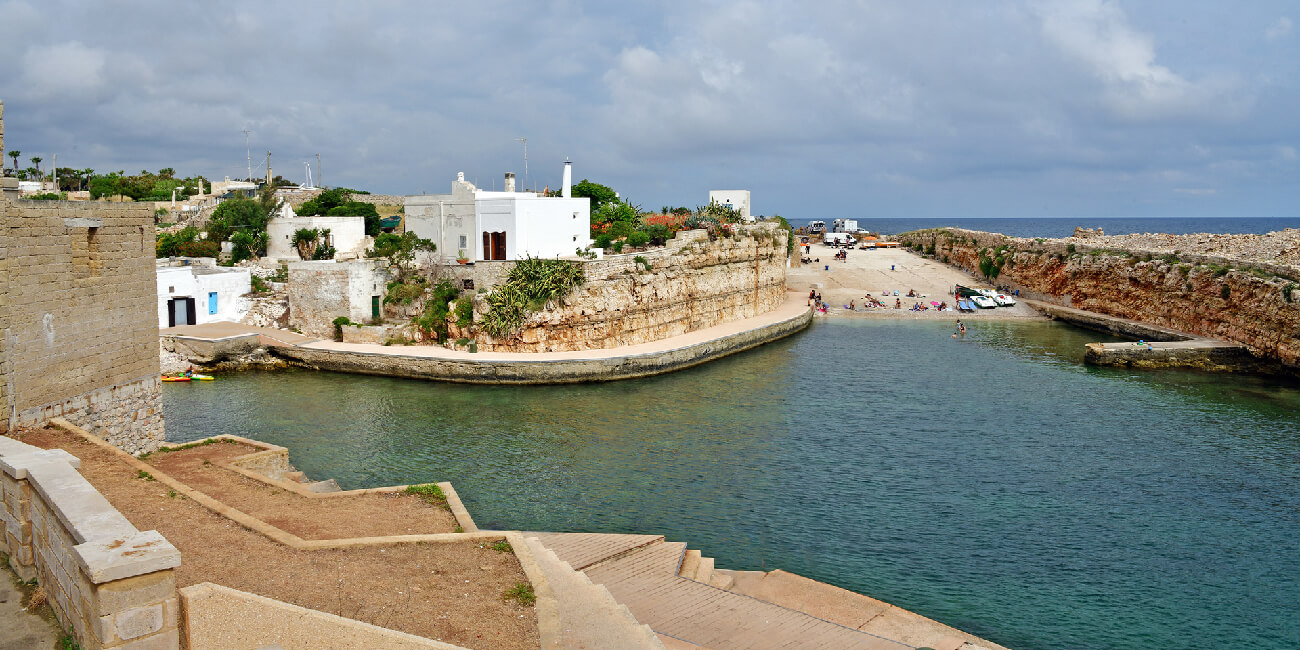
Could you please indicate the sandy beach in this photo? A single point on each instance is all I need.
(889, 269)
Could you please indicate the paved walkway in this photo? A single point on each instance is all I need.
(20, 630)
(225, 329)
(794, 305)
(641, 572)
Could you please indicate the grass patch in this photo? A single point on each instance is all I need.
(145, 476)
(501, 547)
(68, 642)
(188, 445)
(522, 593)
(430, 493)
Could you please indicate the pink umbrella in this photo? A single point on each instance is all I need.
(934, 303)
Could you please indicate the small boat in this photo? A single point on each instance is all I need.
(171, 378)
(197, 377)
(983, 302)
(1004, 300)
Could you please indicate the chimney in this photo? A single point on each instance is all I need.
(510, 181)
(566, 186)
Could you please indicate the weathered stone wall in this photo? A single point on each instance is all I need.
(692, 283)
(1252, 303)
(78, 318)
(110, 584)
(319, 292)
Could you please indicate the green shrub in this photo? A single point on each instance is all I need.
(200, 248)
(529, 286)
(617, 246)
(260, 285)
(1069, 249)
(464, 311)
(405, 292)
(433, 322)
(339, 323)
(602, 240)
(642, 262)
(637, 239)
(1225, 292)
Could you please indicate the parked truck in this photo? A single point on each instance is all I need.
(838, 239)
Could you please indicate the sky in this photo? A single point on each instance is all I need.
(834, 108)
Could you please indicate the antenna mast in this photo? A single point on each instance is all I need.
(249, 154)
(320, 177)
(525, 141)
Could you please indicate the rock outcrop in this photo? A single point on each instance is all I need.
(1254, 302)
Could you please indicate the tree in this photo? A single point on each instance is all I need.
(599, 194)
(337, 203)
(102, 186)
(14, 155)
(233, 216)
(166, 172)
(36, 162)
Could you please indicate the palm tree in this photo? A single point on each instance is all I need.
(36, 162)
(85, 175)
(14, 155)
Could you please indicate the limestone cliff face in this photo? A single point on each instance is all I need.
(1249, 302)
(692, 283)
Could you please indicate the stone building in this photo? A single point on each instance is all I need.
(320, 292)
(78, 331)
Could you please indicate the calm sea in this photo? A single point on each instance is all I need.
(992, 482)
(1064, 226)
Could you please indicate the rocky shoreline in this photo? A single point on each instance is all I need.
(1278, 247)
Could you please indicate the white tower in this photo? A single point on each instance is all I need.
(566, 186)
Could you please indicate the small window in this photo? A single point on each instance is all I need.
(212, 303)
(575, 215)
(464, 242)
(575, 238)
(171, 289)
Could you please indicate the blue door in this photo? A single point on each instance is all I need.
(212, 303)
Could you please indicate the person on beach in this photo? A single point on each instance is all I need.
(898, 303)
(852, 306)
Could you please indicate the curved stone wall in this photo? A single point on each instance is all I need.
(561, 371)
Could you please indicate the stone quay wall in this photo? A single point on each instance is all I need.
(110, 584)
(691, 283)
(78, 318)
(1253, 303)
(557, 371)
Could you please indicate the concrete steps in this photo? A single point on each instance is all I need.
(590, 618)
(701, 569)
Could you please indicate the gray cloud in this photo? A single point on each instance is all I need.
(839, 107)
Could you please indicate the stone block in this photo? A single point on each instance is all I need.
(164, 640)
(137, 591)
(138, 622)
(124, 556)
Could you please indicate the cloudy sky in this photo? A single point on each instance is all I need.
(904, 108)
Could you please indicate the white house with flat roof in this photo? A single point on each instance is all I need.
(737, 199)
(507, 225)
(194, 294)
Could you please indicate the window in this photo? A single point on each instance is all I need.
(464, 242)
(212, 303)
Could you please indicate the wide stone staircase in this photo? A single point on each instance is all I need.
(589, 616)
(679, 594)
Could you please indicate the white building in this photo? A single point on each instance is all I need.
(347, 235)
(846, 225)
(737, 199)
(507, 225)
(193, 295)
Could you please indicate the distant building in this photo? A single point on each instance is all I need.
(507, 225)
(346, 234)
(737, 199)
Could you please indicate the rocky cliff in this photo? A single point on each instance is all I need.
(690, 284)
(1253, 302)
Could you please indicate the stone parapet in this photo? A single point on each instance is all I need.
(110, 584)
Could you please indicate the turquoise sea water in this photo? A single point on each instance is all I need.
(993, 482)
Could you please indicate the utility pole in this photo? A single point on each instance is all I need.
(55, 174)
(320, 177)
(525, 141)
(268, 168)
(248, 153)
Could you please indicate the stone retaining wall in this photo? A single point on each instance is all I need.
(1256, 304)
(540, 372)
(690, 284)
(109, 584)
(78, 324)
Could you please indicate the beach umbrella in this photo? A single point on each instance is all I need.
(934, 302)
